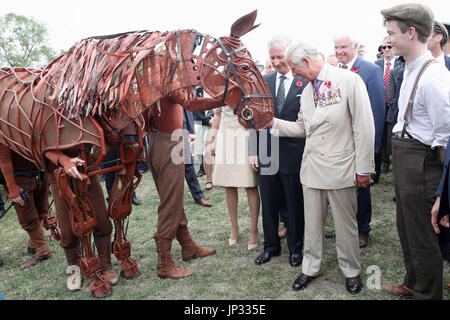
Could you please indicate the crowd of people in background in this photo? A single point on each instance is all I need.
(340, 123)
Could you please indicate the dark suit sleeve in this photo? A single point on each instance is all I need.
(188, 123)
(443, 189)
(204, 118)
(253, 138)
(377, 95)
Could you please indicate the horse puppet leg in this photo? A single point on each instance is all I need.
(83, 221)
(120, 206)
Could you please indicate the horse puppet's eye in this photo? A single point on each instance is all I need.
(244, 67)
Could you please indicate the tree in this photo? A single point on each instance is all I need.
(23, 42)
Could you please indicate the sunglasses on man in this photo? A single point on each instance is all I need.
(388, 47)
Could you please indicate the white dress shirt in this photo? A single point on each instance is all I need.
(351, 63)
(429, 121)
(441, 58)
(392, 61)
(287, 82)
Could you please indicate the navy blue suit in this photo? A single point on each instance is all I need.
(189, 170)
(279, 174)
(395, 82)
(385, 143)
(372, 75)
(444, 192)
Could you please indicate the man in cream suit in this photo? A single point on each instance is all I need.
(336, 119)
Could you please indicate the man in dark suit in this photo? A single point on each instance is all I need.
(436, 43)
(387, 64)
(203, 120)
(345, 49)
(189, 170)
(441, 209)
(279, 161)
(393, 92)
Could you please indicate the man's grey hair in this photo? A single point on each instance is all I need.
(277, 40)
(299, 50)
(344, 35)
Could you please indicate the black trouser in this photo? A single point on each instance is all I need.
(277, 191)
(417, 172)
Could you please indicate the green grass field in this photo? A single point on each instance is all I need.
(230, 274)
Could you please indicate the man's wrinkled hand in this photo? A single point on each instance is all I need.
(363, 181)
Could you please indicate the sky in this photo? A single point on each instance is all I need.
(314, 22)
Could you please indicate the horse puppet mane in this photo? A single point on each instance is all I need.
(95, 73)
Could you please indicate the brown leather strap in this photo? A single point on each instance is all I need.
(413, 94)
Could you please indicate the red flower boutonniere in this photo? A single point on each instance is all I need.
(355, 69)
(299, 83)
(329, 84)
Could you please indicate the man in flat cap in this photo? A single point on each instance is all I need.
(418, 147)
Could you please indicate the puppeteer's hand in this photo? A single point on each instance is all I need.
(18, 199)
(70, 166)
(363, 181)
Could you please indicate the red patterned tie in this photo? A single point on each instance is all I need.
(386, 77)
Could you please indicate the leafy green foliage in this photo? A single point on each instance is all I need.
(23, 42)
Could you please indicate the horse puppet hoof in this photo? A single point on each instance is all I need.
(129, 269)
(100, 288)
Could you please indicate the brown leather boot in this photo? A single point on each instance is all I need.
(43, 250)
(103, 245)
(189, 249)
(398, 290)
(166, 266)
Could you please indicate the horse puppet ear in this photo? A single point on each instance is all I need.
(244, 25)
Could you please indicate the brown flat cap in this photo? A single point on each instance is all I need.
(414, 14)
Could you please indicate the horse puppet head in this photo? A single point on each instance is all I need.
(226, 69)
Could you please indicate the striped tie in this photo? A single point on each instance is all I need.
(386, 77)
(281, 94)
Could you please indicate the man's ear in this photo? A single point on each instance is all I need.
(411, 32)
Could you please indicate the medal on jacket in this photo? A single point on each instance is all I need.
(316, 86)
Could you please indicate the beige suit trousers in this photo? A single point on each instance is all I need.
(343, 208)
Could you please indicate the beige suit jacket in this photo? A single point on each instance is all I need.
(340, 136)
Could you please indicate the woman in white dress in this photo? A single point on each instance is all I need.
(232, 170)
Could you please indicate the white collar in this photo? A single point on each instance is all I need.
(419, 61)
(323, 72)
(351, 63)
(288, 75)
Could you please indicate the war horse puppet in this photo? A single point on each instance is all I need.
(90, 98)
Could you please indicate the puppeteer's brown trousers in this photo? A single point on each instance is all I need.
(167, 167)
(32, 213)
(102, 230)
